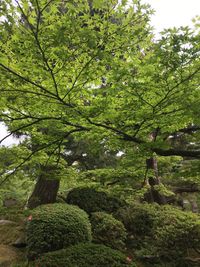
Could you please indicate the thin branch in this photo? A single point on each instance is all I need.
(79, 74)
(28, 92)
(26, 79)
(46, 5)
(35, 151)
(20, 128)
(176, 86)
(125, 136)
(35, 34)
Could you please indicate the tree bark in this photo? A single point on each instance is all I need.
(153, 195)
(45, 190)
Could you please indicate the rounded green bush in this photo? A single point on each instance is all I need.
(55, 226)
(107, 230)
(85, 255)
(92, 200)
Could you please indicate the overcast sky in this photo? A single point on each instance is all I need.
(168, 13)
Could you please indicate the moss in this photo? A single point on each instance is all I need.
(9, 255)
(55, 226)
(15, 214)
(107, 230)
(85, 255)
(91, 200)
(9, 233)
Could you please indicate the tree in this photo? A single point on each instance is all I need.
(92, 68)
(156, 95)
(56, 57)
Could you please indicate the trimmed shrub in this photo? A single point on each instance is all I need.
(55, 226)
(85, 255)
(163, 230)
(176, 231)
(138, 219)
(107, 230)
(92, 200)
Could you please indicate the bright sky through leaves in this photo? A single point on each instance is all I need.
(168, 13)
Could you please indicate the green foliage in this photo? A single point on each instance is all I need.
(138, 219)
(162, 230)
(84, 255)
(55, 226)
(92, 200)
(107, 230)
(176, 231)
(16, 213)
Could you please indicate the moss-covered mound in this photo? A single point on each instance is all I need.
(85, 255)
(107, 230)
(55, 226)
(92, 200)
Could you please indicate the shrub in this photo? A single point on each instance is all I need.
(55, 226)
(85, 255)
(167, 231)
(91, 200)
(176, 231)
(107, 230)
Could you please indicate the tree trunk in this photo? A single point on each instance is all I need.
(45, 190)
(153, 195)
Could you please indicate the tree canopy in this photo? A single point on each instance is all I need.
(93, 71)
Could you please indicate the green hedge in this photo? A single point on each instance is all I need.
(92, 200)
(85, 255)
(176, 231)
(163, 230)
(107, 230)
(138, 219)
(55, 226)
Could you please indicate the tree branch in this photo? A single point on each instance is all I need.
(177, 152)
(57, 141)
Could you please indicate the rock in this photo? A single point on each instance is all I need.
(9, 202)
(20, 242)
(6, 222)
(152, 259)
(10, 232)
(8, 255)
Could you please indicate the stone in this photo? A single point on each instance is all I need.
(8, 255)
(20, 242)
(6, 222)
(9, 202)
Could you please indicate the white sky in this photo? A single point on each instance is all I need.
(8, 141)
(168, 13)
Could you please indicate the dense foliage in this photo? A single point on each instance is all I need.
(161, 230)
(107, 230)
(92, 200)
(102, 105)
(85, 255)
(56, 226)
